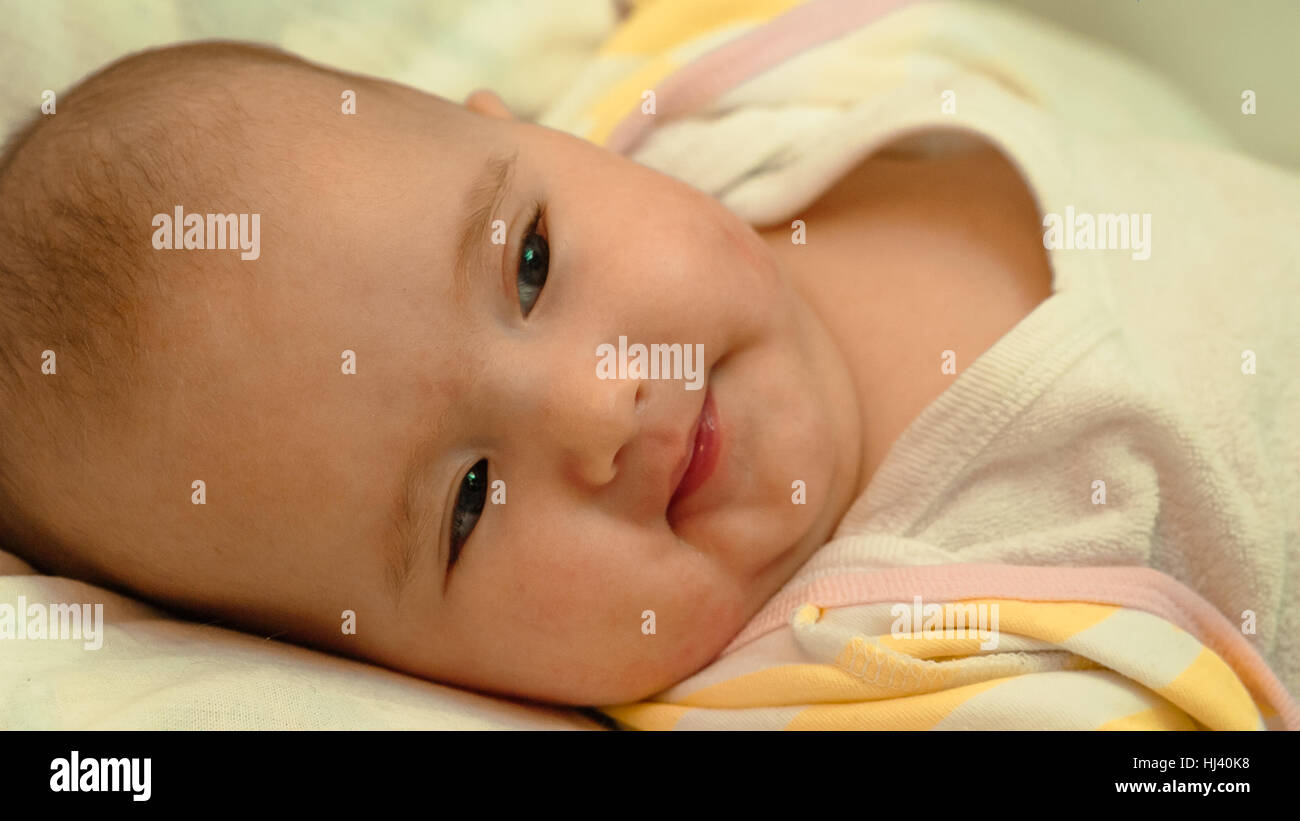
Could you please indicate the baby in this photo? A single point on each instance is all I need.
(494, 514)
(377, 401)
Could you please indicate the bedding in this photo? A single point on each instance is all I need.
(155, 671)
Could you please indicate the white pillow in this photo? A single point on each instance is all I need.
(157, 672)
(528, 52)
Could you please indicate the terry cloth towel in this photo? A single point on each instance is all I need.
(1141, 419)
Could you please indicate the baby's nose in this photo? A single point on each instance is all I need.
(591, 420)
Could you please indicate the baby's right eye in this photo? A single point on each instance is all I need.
(468, 507)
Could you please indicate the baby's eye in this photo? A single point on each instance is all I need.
(469, 506)
(534, 262)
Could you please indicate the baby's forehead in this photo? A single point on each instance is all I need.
(358, 97)
(231, 83)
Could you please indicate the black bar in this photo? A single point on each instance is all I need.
(242, 770)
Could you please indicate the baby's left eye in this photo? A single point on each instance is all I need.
(468, 508)
(534, 264)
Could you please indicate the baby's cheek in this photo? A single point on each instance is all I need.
(567, 587)
(695, 619)
(621, 612)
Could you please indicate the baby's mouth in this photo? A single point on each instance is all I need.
(701, 459)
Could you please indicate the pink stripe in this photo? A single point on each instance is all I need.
(1139, 588)
(807, 25)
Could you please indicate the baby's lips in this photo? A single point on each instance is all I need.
(705, 448)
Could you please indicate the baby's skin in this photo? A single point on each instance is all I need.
(486, 509)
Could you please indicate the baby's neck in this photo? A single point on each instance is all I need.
(907, 259)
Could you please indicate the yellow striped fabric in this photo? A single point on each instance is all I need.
(1053, 665)
(657, 39)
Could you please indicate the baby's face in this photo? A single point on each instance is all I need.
(495, 513)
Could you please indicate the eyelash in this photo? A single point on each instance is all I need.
(472, 495)
(475, 481)
(534, 289)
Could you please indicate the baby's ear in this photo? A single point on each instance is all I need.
(488, 104)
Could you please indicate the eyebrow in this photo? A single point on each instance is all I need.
(481, 202)
(415, 523)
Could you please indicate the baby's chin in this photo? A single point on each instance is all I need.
(775, 465)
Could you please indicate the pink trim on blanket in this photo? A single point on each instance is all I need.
(807, 25)
(1140, 588)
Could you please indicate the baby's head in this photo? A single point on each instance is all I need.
(475, 350)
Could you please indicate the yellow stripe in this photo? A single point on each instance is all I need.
(624, 96)
(1211, 692)
(919, 712)
(911, 645)
(1165, 716)
(1049, 621)
(804, 683)
(656, 28)
(647, 715)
